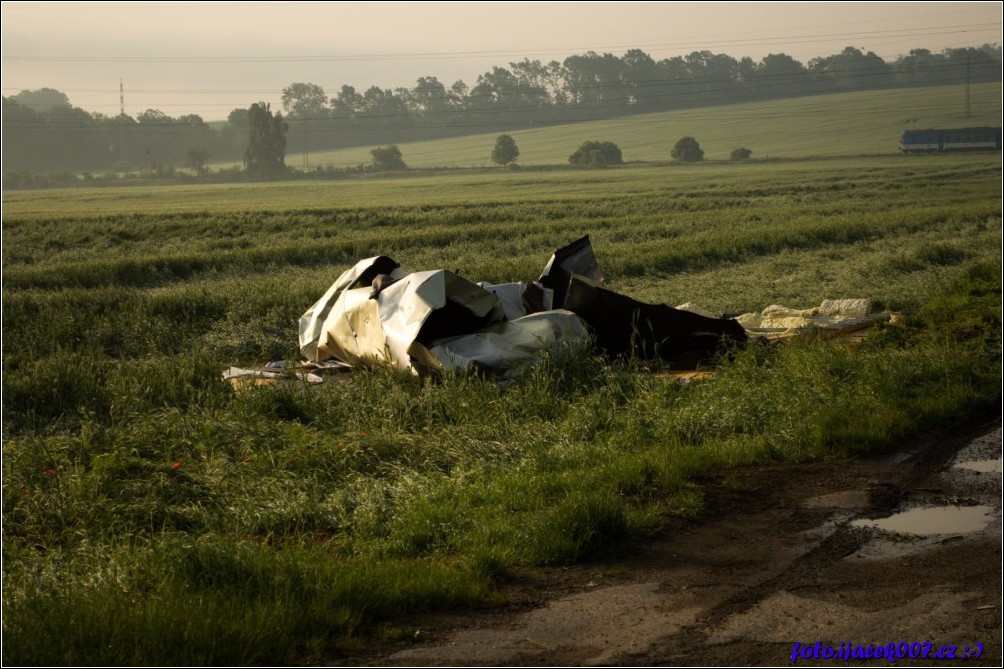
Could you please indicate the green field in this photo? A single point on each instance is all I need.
(843, 124)
(662, 232)
(151, 515)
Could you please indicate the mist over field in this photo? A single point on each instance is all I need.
(44, 133)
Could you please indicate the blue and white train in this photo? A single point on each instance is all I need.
(959, 139)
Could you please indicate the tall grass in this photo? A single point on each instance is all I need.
(153, 515)
(278, 528)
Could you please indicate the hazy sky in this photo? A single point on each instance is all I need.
(208, 58)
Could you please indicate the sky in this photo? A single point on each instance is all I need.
(208, 58)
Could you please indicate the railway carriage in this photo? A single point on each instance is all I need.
(957, 139)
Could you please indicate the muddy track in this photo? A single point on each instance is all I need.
(783, 553)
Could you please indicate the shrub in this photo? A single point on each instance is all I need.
(740, 154)
(687, 150)
(388, 158)
(597, 154)
(505, 150)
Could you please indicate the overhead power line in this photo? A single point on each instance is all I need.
(704, 44)
(655, 92)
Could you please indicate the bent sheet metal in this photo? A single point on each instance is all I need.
(439, 321)
(425, 321)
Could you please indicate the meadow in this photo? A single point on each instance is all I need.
(153, 515)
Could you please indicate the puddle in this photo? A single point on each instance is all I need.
(934, 520)
(986, 466)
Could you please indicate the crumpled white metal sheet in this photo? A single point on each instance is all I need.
(312, 321)
(397, 324)
(503, 347)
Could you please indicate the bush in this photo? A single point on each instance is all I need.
(740, 154)
(597, 154)
(388, 158)
(505, 150)
(687, 150)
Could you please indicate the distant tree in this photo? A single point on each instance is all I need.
(235, 135)
(197, 159)
(496, 89)
(981, 64)
(384, 116)
(740, 154)
(851, 69)
(304, 103)
(347, 102)
(687, 150)
(459, 93)
(386, 159)
(712, 76)
(597, 154)
(429, 95)
(238, 117)
(383, 103)
(304, 100)
(265, 155)
(592, 79)
(640, 73)
(42, 100)
(533, 78)
(505, 150)
(780, 74)
(154, 117)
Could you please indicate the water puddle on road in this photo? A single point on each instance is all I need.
(933, 520)
(985, 466)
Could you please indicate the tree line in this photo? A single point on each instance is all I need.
(44, 132)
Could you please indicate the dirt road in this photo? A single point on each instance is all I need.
(783, 554)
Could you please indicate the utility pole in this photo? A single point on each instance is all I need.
(122, 148)
(969, 109)
(306, 143)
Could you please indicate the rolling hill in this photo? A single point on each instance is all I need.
(843, 124)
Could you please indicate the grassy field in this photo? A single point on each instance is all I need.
(842, 124)
(153, 516)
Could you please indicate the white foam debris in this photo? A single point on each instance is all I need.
(778, 316)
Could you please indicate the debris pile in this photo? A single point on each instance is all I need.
(436, 320)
